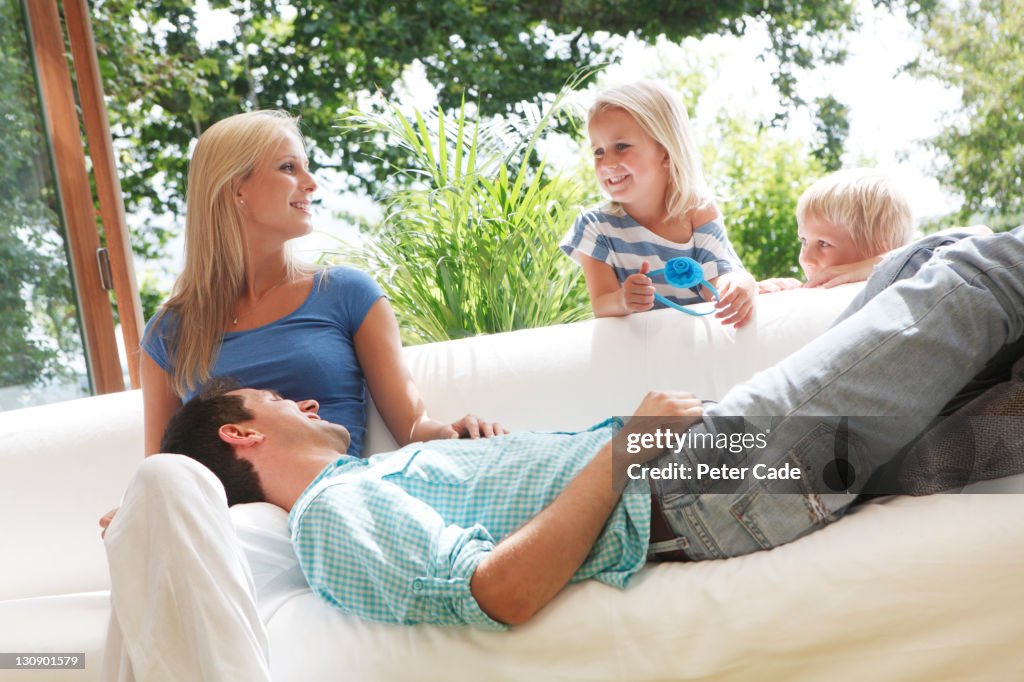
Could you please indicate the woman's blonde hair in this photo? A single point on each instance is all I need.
(866, 203)
(662, 116)
(215, 243)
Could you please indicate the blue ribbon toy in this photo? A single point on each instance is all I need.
(683, 273)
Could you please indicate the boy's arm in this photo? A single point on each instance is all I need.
(528, 568)
(611, 300)
(774, 285)
(834, 275)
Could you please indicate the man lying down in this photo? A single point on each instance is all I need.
(487, 532)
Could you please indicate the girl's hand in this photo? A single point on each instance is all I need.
(776, 284)
(737, 291)
(638, 290)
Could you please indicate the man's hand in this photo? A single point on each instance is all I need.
(675, 410)
(669, 404)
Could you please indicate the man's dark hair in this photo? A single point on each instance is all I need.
(193, 432)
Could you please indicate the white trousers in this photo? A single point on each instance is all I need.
(182, 605)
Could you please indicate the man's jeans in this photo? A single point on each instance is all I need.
(904, 355)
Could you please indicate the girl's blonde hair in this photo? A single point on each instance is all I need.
(662, 116)
(215, 243)
(866, 203)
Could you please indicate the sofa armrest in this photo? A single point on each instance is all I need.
(62, 466)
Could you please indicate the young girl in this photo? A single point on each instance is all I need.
(646, 160)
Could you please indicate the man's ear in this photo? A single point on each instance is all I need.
(237, 435)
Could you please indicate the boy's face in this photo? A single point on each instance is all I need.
(823, 244)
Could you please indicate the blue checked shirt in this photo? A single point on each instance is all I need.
(396, 537)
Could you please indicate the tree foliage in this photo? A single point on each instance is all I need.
(977, 46)
(314, 57)
(832, 126)
(758, 176)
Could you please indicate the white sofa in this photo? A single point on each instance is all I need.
(904, 588)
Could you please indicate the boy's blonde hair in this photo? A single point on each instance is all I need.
(866, 203)
(662, 116)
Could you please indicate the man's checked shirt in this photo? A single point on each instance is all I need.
(396, 537)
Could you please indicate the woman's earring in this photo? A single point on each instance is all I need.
(241, 202)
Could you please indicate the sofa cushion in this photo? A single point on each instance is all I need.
(65, 624)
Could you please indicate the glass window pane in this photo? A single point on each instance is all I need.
(41, 351)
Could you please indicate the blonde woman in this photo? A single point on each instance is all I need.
(647, 161)
(244, 308)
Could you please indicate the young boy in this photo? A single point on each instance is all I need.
(846, 222)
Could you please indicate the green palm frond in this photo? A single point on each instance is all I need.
(471, 246)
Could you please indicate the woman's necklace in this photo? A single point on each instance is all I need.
(234, 318)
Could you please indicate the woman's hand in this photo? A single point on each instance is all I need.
(737, 291)
(105, 521)
(379, 349)
(469, 426)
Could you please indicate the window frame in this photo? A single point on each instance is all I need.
(64, 130)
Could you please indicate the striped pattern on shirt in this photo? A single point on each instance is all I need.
(624, 244)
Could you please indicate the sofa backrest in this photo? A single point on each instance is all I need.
(572, 376)
(64, 465)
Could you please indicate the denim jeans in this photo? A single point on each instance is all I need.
(911, 347)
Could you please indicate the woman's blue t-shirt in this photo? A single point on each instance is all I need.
(308, 353)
